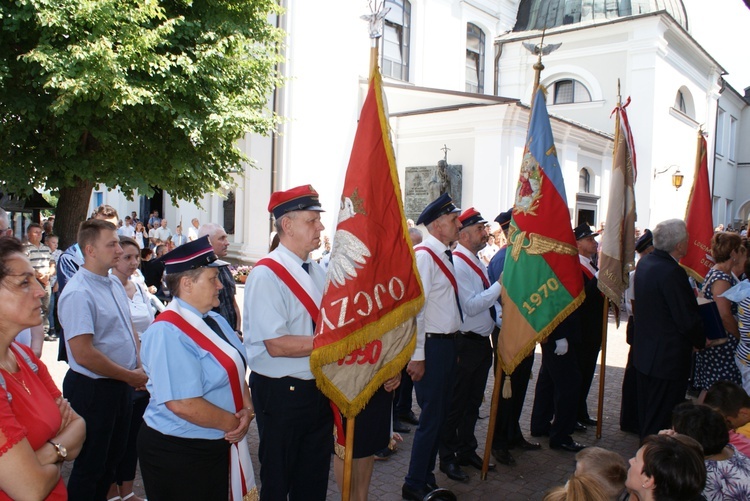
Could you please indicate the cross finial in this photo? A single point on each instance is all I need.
(375, 17)
(445, 149)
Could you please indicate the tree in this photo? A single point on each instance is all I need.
(131, 93)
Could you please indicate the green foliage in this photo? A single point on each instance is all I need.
(133, 93)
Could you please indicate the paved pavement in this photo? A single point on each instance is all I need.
(536, 472)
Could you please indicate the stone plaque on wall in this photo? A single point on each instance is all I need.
(424, 184)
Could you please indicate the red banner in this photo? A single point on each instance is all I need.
(699, 219)
(366, 330)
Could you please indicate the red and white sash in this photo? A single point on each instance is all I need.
(474, 267)
(446, 271)
(297, 279)
(242, 477)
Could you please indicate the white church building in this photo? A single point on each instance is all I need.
(458, 81)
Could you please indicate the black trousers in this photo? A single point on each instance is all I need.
(106, 406)
(472, 369)
(402, 399)
(507, 429)
(629, 402)
(556, 396)
(176, 468)
(129, 462)
(295, 424)
(656, 399)
(587, 351)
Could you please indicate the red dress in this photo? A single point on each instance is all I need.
(33, 415)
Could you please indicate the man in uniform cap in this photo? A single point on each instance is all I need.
(479, 304)
(432, 367)
(590, 318)
(295, 421)
(507, 428)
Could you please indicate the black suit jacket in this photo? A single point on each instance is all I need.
(667, 322)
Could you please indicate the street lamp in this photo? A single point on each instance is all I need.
(677, 177)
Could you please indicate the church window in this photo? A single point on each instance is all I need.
(584, 181)
(570, 91)
(396, 43)
(680, 102)
(474, 59)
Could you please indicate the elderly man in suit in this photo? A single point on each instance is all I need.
(667, 327)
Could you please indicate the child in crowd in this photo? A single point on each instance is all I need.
(731, 401)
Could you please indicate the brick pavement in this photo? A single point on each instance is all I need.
(536, 471)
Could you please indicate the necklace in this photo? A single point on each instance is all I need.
(19, 381)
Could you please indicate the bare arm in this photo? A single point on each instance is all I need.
(201, 412)
(289, 346)
(71, 435)
(22, 476)
(725, 308)
(85, 354)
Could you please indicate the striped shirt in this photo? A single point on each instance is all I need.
(39, 257)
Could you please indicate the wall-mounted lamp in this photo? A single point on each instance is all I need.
(677, 177)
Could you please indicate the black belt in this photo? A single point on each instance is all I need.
(474, 336)
(437, 335)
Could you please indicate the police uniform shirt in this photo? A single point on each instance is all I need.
(270, 311)
(475, 299)
(440, 311)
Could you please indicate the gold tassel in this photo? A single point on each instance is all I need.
(507, 392)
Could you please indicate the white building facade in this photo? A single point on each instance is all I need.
(457, 75)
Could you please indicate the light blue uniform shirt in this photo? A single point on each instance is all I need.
(271, 310)
(93, 304)
(178, 369)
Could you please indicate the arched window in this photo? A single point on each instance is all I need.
(679, 102)
(570, 91)
(683, 102)
(584, 181)
(474, 59)
(396, 32)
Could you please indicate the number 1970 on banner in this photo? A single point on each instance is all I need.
(542, 293)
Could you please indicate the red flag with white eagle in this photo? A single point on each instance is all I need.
(366, 330)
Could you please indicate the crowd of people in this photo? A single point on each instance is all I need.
(158, 354)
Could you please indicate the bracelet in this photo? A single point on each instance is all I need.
(252, 412)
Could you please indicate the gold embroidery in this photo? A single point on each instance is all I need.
(537, 244)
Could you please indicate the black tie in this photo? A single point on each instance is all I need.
(215, 327)
(306, 267)
(460, 312)
(594, 265)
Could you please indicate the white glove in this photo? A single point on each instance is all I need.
(561, 346)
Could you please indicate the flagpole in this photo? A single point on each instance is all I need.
(493, 418)
(603, 365)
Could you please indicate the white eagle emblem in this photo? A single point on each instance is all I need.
(349, 253)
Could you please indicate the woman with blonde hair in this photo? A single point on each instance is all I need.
(578, 488)
(608, 468)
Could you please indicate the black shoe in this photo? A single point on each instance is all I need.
(441, 495)
(568, 446)
(474, 460)
(384, 454)
(454, 472)
(588, 421)
(433, 486)
(526, 445)
(412, 494)
(408, 417)
(400, 427)
(504, 457)
(579, 426)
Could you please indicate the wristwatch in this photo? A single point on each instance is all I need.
(62, 452)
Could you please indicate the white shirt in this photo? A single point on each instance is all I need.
(192, 233)
(127, 231)
(586, 263)
(440, 311)
(475, 299)
(162, 234)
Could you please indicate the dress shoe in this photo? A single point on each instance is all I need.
(568, 446)
(412, 494)
(504, 457)
(526, 445)
(384, 454)
(579, 426)
(454, 472)
(588, 421)
(400, 427)
(433, 486)
(408, 417)
(474, 460)
(441, 495)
